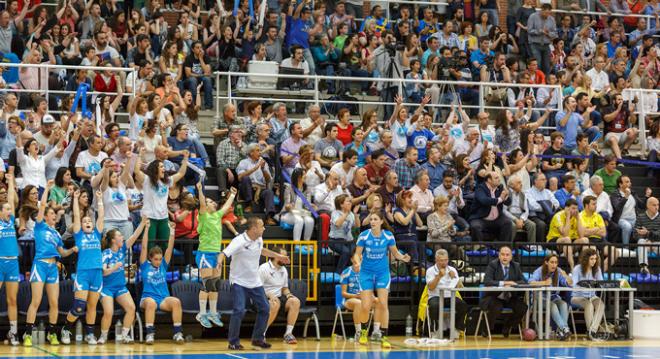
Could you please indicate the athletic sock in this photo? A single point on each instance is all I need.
(150, 328)
(289, 329)
(89, 329)
(177, 328)
(104, 333)
(13, 326)
(202, 306)
(125, 332)
(376, 327)
(358, 328)
(213, 306)
(384, 332)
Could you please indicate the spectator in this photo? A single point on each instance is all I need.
(326, 193)
(360, 190)
(625, 203)
(619, 119)
(280, 124)
(198, 70)
(554, 163)
(291, 146)
(434, 168)
(358, 145)
(377, 168)
(294, 211)
(609, 174)
(313, 125)
(594, 309)
(342, 222)
(422, 195)
(487, 213)
(647, 232)
(542, 205)
(549, 274)
(180, 141)
(568, 191)
(314, 175)
(346, 168)
(518, 211)
(444, 276)
(328, 150)
(541, 29)
(273, 43)
(407, 167)
(254, 177)
(88, 162)
(390, 189)
(299, 31)
(564, 229)
(404, 227)
(228, 154)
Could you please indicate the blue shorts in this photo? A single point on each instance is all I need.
(373, 281)
(206, 259)
(44, 272)
(9, 270)
(113, 292)
(89, 280)
(158, 301)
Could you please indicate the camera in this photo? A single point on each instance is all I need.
(392, 48)
(451, 63)
(488, 61)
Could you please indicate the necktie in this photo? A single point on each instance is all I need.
(506, 272)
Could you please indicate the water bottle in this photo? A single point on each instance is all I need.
(239, 210)
(118, 329)
(409, 326)
(79, 332)
(35, 334)
(41, 334)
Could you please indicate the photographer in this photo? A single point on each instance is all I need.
(388, 51)
(502, 42)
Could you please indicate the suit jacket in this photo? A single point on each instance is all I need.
(483, 201)
(495, 274)
(618, 202)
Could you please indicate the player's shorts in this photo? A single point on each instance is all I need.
(158, 300)
(9, 270)
(90, 280)
(44, 272)
(206, 259)
(374, 281)
(113, 292)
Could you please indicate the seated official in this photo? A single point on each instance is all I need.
(350, 291)
(550, 275)
(276, 285)
(442, 275)
(503, 272)
(588, 268)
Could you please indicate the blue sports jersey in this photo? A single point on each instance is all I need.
(110, 258)
(154, 280)
(374, 255)
(8, 243)
(352, 280)
(46, 241)
(89, 250)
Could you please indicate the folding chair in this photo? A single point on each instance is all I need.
(341, 310)
(484, 315)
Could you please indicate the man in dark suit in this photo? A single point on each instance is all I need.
(503, 272)
(487, 212)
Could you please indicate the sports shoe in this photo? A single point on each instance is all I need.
(203, 319)
(364, 340)
(90, 339)
(376, 336)
(127, 339)
(27, 340)
(52, 339)
(150, 339)
(290, 339)
(178, 338)
(235, 347)
(215, 319)
(260, 344)
(65, 336)
(385, 343)
(357, 337)
(103, 338)
(13, 339)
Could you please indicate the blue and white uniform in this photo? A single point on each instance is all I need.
(351, 279)
(114, 284)
(46, 242)
(8, 251)
(375, 268)
(89, 270)
(154, 282)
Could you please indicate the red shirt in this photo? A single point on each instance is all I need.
(375, 176)
(344, 134)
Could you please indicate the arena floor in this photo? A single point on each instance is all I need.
(327, 349)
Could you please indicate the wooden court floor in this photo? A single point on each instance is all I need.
(468, 348)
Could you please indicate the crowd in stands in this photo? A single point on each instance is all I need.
(450, 172)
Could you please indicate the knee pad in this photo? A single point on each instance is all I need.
(209, 285)
(79, 307)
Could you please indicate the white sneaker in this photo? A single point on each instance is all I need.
(127, 339)
(376, 336)
(65, 336)
(150, 339)
(90, 339)
(178, 338)
(103, 338)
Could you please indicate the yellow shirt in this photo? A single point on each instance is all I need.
(593, 221)
(558, 221)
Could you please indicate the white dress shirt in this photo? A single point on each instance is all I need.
(445, 281)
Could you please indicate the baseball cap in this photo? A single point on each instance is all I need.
(47, 119)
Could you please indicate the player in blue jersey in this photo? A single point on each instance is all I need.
(114, 281)
(48, 249)
(89, 270)
(350, 291)
(373, 247)
(9, 259)
(155, 294)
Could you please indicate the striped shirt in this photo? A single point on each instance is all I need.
(651, 224)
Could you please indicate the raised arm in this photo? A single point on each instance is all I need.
(144, 247)
(11, 192)
(100, 211)
(76, 212)
(142, 229)
(182, 170)
(44, 201)
(230, 200)
(170, 245)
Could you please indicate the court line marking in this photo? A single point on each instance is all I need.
(45, 351)
(234, 356)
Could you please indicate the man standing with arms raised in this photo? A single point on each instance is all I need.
(245, 251)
